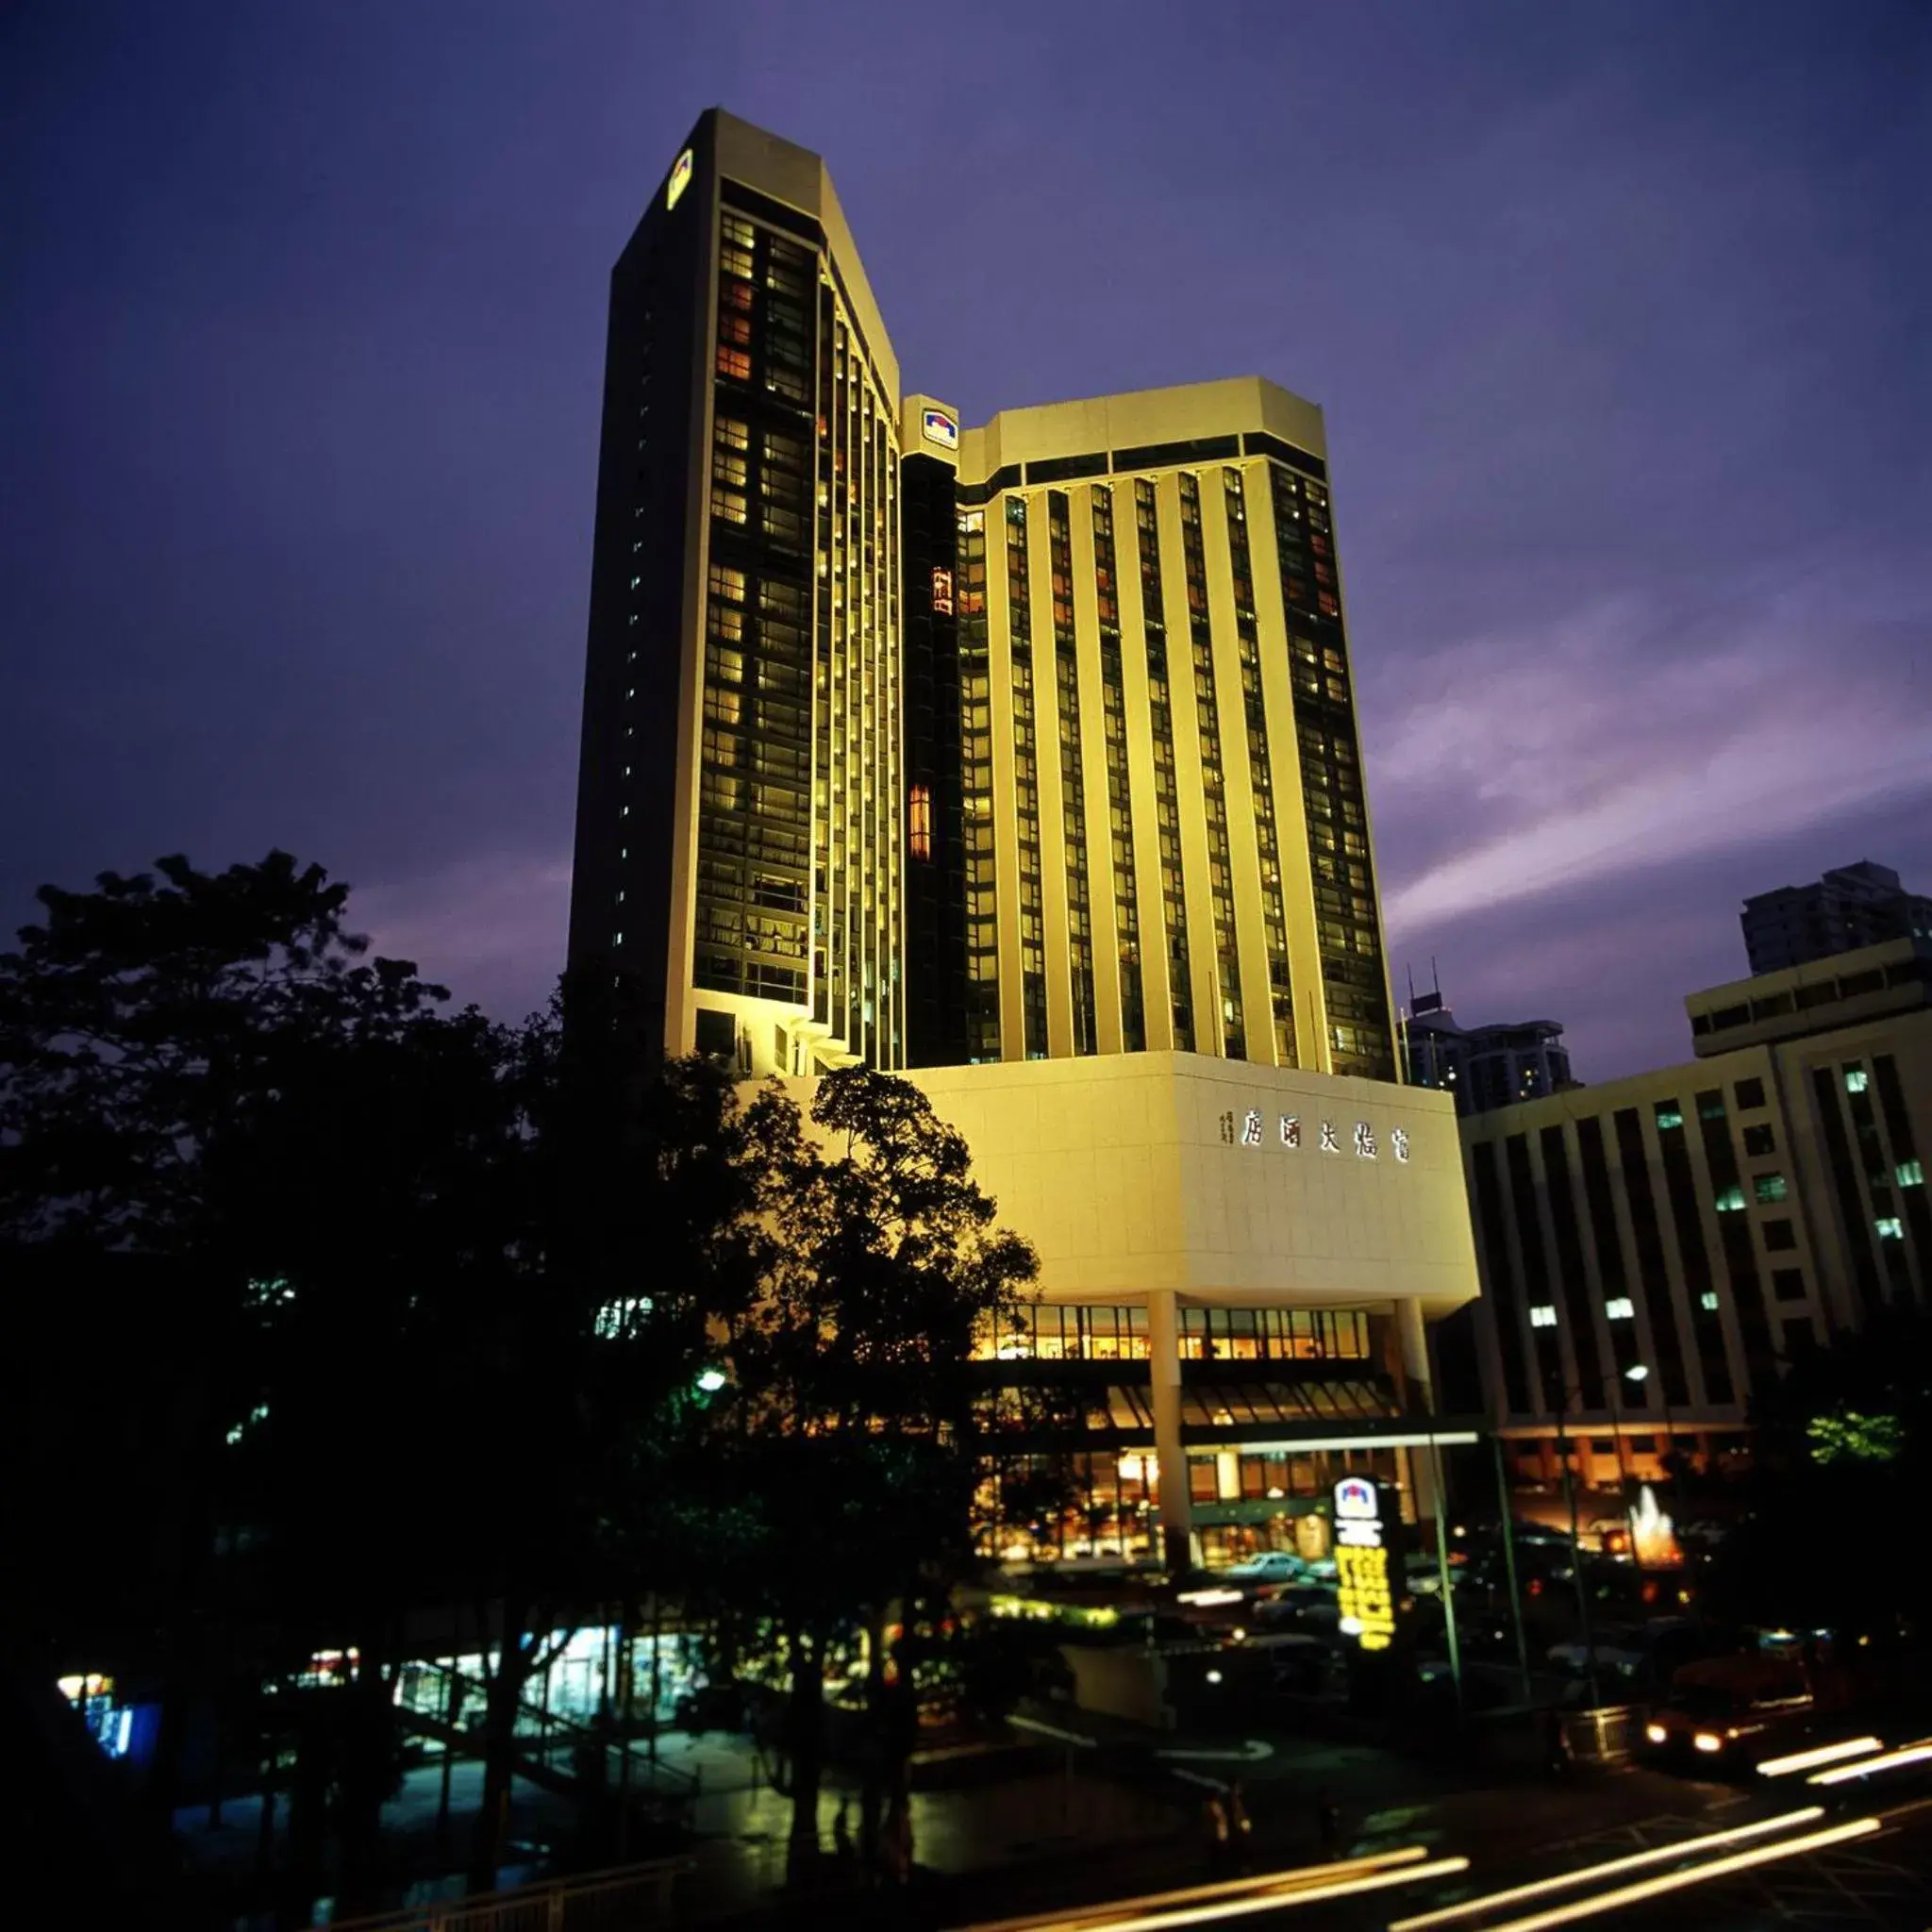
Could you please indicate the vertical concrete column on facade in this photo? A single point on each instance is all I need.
(1412, 1340)
(1164, 1374)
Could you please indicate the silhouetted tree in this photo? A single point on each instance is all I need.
(853, 1438)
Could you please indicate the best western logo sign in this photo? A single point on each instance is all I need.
(940, 428)
(680, 179)
(1364, 1581)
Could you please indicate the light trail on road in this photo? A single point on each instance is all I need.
(1906, 1754)
(1824, 1754)
(1569, 1881)
(1203, 1905)
(1697, 1875)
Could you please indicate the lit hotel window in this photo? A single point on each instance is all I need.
(1619, 1310)
(919, 823)
(1542, 1316)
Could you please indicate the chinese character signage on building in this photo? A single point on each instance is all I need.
(680, 179)
(942, 591)
(1249, 1130)
(940, 428)
(1366, 1578)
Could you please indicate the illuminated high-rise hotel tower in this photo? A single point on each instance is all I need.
(741, 843)
(1030, 741)
(1021, 758)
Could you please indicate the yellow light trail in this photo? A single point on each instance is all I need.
(1911, 1754)
(1675, 1881)
(1304, 1886)
(1824, 1754)
(1568, 1881)
(1086, 1917)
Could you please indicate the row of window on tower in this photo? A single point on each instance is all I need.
(1353, 993)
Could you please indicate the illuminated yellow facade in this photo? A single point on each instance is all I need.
(1164, 834)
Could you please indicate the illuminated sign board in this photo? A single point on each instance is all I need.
(937, 426)
(942, 590)
(680, 179)
(1251, 1130)
(1365, 1524)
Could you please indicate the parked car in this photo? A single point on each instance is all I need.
(1643, 1656)
(1271, 1566)
(1307, 1606)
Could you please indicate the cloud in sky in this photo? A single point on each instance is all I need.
(1576, 764)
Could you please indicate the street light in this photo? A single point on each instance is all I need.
(1637, 1374)
(1576, 1548)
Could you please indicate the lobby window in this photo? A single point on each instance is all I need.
(1856, 1078)
(1787, 1284)
(1759, 1139)
(1542, 1316)
(1620, 1309)
(1769, 1187)
(1779, 1235)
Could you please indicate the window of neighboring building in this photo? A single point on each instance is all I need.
(1668, 1114)
(1730, 1200)
(1707, 1300)
(1542, 1316)
(1710, 1106)
(1891, 1228)
(1909, 1174)
(1620, 1308)
(1799, 1336)
(1787, 1284)
(1769, 1188)
(1750, 1093)
(1779, 1234)
(1760, 1139)
(1857, 1079)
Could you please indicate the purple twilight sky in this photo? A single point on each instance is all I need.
(1621, 314)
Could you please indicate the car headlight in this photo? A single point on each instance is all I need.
(1657, 1733)
(1708, 1741)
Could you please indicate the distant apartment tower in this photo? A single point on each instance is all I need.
(1853, 907)
(1706, 1222)
(1484, 1067)
(1022, 741)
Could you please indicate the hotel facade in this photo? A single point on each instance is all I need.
(1022, 759)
